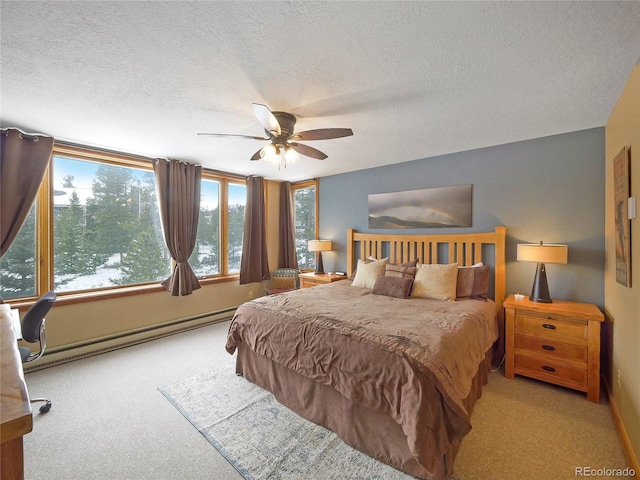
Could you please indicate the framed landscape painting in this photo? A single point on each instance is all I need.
(428, 208)
(621, 164)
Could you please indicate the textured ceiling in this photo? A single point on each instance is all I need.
(412, 79)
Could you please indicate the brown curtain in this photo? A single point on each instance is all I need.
(254, 264)
(287, 255)
(23, 161)
(178, 186)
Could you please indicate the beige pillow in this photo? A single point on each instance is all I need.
(436, 281)
(382, 264)
(366, 274)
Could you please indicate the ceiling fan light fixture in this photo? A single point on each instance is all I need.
(270, 153)
(290, 155)
(283, 148)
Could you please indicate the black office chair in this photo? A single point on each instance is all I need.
(33, 331)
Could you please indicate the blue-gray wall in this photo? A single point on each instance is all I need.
(549, 189)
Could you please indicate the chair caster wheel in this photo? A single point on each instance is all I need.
(45, 408)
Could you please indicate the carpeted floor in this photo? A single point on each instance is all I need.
(261, 438)
(110, 422)
(555, 429)
(526, 429)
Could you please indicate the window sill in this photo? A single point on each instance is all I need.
(96, 295)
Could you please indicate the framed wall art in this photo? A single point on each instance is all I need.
(621, 187)
(427, 208)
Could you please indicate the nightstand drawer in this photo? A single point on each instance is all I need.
(307, 283)
(557, 342)
(551, 371)
(551, 348)
(552, 326)
(313, 279)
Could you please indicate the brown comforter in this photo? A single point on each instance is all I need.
(378, 351)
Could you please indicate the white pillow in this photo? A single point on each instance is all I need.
(436, 281)
(366, 274)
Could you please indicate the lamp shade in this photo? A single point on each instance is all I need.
(319, 245)
(542, 253)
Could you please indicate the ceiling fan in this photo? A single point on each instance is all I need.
(284, 147)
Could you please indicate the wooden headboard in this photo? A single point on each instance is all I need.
(462, 248)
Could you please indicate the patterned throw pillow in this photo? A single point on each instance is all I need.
(401, 271)
(473, 282)
(283, 283)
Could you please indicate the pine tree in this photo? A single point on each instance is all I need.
(145, 259)
(236, 231)
(112, 223)
(305, 208)
(71, 257)
(206, 254)
(18, 264)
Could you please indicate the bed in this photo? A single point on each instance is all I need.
(394, 377)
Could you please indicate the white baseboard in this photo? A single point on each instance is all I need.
(68, 353)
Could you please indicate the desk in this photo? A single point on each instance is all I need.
(15, 409)
(14, 313)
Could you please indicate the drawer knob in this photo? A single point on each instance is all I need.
(548, 369)
(548, 326)
(551, 348)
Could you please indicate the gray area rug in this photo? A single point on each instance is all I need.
(261, 438)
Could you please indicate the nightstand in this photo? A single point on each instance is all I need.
(555, 342)
(312, 279)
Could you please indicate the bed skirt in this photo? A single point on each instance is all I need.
(372, 432)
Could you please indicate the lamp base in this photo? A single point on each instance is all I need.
(319, 266)
(540, 290)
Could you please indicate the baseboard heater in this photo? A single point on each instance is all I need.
(68, 353)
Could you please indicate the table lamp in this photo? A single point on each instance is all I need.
(541, 254)
(319, 246)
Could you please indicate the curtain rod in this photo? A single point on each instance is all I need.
(35, 136)
(65, 143)
(143, 157)
(23, 134)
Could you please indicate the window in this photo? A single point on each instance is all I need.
(96, 225)
(18, 265)
(219, 194)
(205, 259)
(305, 212)
(237, 200)
(106, 226)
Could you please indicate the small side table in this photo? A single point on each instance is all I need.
(312, 279)
(555, 342)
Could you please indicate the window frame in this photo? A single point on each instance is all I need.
(44, 267)
(300, 186)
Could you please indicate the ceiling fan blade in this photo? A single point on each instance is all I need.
(308, 151)
(323, 134)
(267, 119)
(233, 135)
(256, 156)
